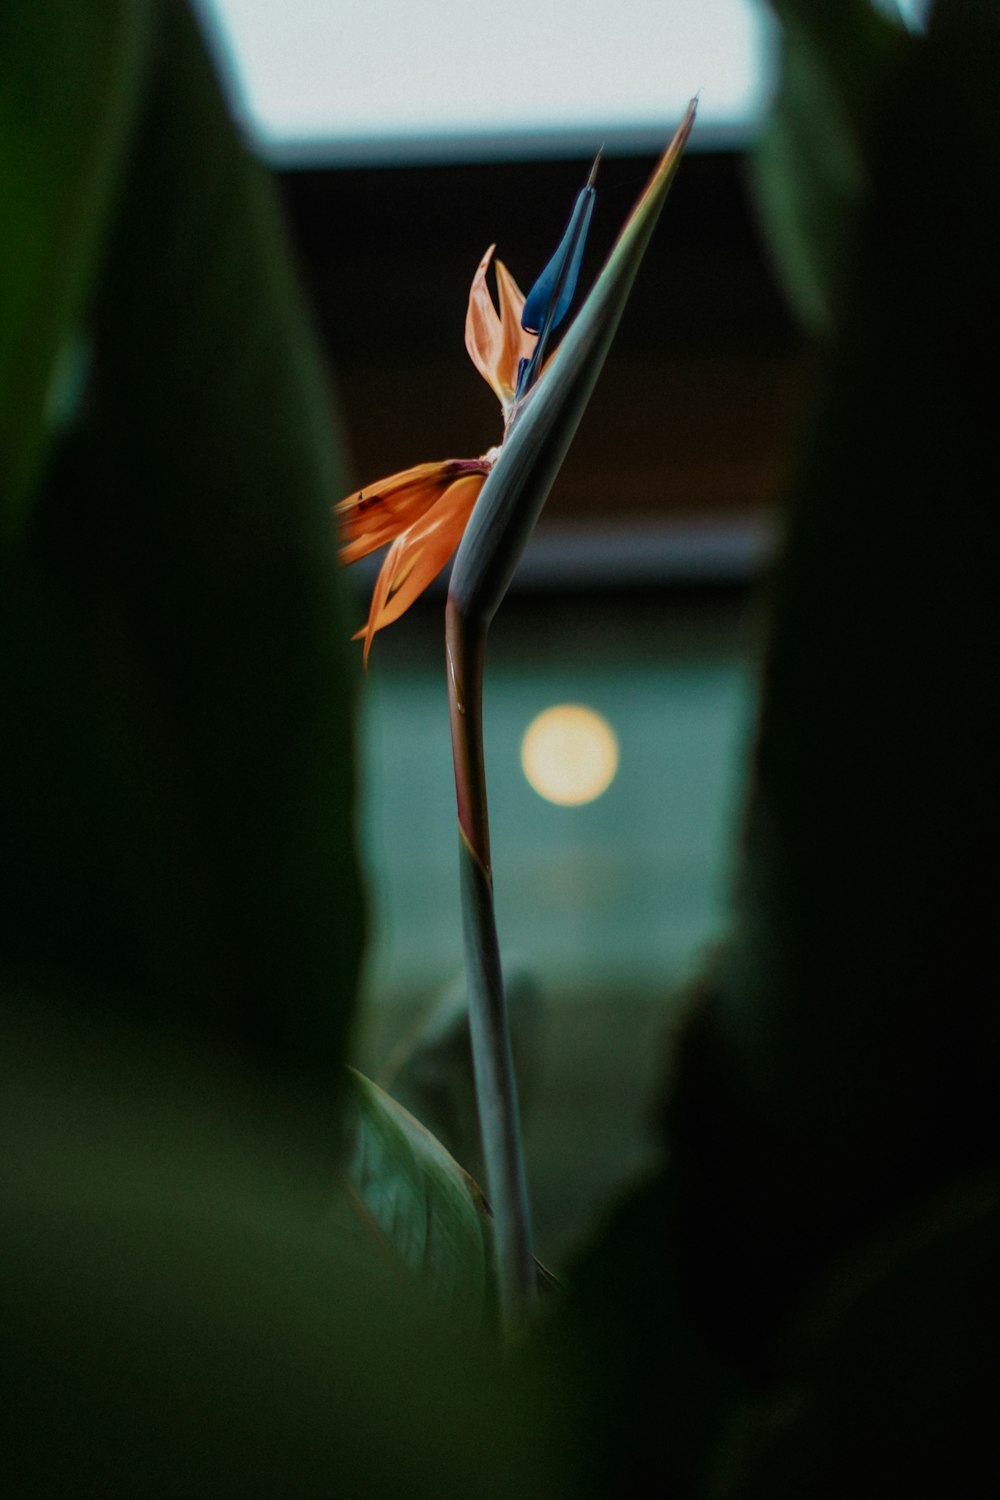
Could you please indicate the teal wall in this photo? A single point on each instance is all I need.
(617, 894)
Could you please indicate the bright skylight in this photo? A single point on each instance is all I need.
(340, 81)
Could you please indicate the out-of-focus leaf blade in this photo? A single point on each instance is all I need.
(425, 1208)
(177, 775)
(847, 1062)
(857, 1004)
(70, 77)
(181, 1317)
(811, 167)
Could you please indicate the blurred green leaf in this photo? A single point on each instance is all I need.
(181, 1317)
(811, 168)
(856, 1053)
(178, 780)
(841, 1068)
(425, 1208)
(70, 81)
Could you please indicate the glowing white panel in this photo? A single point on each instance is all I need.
(356, 80)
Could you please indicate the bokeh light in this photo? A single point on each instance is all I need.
(569, 754)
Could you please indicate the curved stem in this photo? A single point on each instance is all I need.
(496, 1087)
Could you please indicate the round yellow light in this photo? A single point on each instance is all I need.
(569, 754)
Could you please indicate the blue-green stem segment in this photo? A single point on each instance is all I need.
(496, 1086)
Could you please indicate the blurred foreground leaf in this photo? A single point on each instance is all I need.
(841, 1068)
(70, 81)
(183, 1315)
(425, 1208)
(851, 1065)
(812, 168)
(177, 780)
(184, 1310)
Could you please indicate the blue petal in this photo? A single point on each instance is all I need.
(548, 301)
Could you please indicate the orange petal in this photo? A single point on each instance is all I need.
(511, 306)
(373, 516)
(418, 555)
(497, 344)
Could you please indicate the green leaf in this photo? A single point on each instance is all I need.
(847, 1062)
(178, 781)
(70, 78)
(840, 1066)
(422, 1205)
(181, 1318)
(812, 165)
(861, 910)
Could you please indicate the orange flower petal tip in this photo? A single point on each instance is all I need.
(496, 342)
(419, 553)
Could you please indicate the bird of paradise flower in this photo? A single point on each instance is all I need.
(487, 507)
(423, 511)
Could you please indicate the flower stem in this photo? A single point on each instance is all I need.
(496, 1086)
